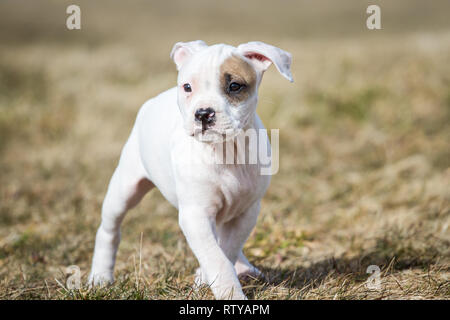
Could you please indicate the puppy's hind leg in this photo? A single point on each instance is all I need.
(245, 269)
(127, 187)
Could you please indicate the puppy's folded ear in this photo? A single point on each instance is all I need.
(262, 55)
(182, 51)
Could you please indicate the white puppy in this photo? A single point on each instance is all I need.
(175, 145)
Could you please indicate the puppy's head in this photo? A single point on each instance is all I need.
(218, 85)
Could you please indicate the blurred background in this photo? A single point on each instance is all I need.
(364, 145)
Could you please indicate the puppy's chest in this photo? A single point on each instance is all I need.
(239, 187)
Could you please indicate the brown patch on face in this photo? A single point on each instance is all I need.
(238, 71)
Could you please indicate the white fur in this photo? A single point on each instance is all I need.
(218, 204)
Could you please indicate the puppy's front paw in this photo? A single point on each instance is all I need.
(100, 279)
(199, 279)
(229, 293)
(223, 292)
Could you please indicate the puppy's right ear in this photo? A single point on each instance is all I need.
(182, 51)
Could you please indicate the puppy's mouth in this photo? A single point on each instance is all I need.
(213, 135)
(207, 125)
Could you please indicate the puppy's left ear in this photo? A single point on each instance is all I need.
(262, 55)
(182, 51)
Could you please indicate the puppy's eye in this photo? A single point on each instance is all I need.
(187, 87)
(235, 87)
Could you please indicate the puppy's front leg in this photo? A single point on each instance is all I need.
(199, 230)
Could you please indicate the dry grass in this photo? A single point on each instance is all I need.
(365, 154)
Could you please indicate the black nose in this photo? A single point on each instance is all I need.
(207, 115)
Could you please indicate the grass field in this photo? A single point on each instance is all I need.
(364, 173)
